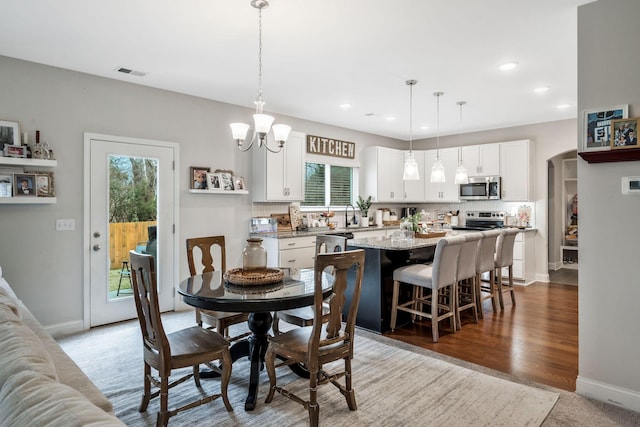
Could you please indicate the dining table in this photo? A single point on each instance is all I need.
(210, 291)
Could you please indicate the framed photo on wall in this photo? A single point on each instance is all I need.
(213, 181)
(226, 180)
(625, 133)
(9, 133)
(198, 177)
(238, 183)
(6, 185)
(596, 130)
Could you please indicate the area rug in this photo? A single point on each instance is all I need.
(393, 387)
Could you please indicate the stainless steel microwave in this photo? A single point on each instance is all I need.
(481, 188)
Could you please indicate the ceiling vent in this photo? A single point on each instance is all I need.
(132, 72)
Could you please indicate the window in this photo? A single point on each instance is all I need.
(329, 185)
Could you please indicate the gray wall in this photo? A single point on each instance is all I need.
(45, 266)
(608, 64)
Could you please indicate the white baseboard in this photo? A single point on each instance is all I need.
(62, 329)
(542, 277)
(618, 396)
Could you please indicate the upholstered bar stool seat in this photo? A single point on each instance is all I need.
(439, 277)
(504, 258)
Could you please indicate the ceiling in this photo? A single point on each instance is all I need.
(321, 53)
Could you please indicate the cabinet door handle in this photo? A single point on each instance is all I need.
(292, 260)
(291, 244)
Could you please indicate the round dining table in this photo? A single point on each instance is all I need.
(209, 291)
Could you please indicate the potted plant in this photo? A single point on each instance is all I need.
(364, 206)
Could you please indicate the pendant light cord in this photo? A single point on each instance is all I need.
(259, 100)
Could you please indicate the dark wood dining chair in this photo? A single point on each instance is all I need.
(316, 345)
(219, 320)
(165, 352)
(303, 316)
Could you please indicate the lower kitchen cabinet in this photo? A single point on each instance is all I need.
(295, 252)
(523, 258)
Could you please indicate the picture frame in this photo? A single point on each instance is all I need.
(213, 181)
(9, 134)
(51, 190)
(6, 185)
(15, 150)
(198, 177)
(42, 185)
(238, 183)
(226, 181)
(596, 129)
(24, 185)
(624, 133)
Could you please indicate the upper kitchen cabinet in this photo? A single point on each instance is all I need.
(447, 191)
(279, 177)
(414, 190)
(382, 174)
(482, 160)
(516, 170)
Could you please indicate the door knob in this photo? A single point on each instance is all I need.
(97, 247)
(96, 234)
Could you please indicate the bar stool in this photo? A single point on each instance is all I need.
(504, 258)
(439, 277)
(466, 277)
(124, 272)
(486, 264)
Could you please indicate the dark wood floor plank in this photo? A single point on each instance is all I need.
(536, 339)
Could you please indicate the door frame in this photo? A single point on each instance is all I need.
(86, 238)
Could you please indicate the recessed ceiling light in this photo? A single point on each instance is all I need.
(508, 66)
(369, 114)
(345, 106)
(390, 118)
(563, 106)
(541, 89)
(131, 71)
(424, 127)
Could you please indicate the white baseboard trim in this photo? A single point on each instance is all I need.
(618, 396)
(541, 277)
(62, 329)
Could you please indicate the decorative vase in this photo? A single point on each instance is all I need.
(364, 221)
(254, 256)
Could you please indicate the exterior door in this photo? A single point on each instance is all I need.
(130, 204)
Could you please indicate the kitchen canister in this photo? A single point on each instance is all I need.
(379, 217)
(254, 256)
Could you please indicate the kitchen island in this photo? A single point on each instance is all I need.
(382, 257)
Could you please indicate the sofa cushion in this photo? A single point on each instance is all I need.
(22, 350)
(6, 289)
(33, 399)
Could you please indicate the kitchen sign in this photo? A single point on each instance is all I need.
(330, 147)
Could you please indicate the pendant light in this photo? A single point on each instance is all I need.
(437, 170)
(411, 172)
(461, 172)
(262, 122)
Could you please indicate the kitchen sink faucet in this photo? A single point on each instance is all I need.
(346, 216)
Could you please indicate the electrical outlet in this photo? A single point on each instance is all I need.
(65, 224)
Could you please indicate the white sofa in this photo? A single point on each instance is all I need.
(39, 384)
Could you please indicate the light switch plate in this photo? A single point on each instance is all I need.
(65, 224)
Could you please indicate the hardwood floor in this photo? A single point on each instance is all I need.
(536, 340)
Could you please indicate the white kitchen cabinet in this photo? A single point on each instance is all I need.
(381, 174)
(279, 177)
(27, 164)
(295, 252)
(447, 191)
(414, 190)
(516, 170)
(482, 160)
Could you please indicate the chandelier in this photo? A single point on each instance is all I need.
(411, 172)
(262, 122)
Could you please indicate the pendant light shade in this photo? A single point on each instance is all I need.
(461, 172)
(411, 172)
(437, 170)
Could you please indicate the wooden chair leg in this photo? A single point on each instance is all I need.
(146, 397)
(499, 287)
(434, 315)
(349, 393)
(163, 415)
(269, 360)
(313, 407)
(227, 364)
(513, 294)
(394, 304)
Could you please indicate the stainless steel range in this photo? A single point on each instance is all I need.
(482, 220)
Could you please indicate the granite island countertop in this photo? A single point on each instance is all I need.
(312, 232)
(387, 243)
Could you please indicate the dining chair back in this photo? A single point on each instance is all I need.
(303, 316)
(486, 265)
(504, 259)
(466, 277)
(316, 345)
(165, 352)
(440, 277)
(208, 247)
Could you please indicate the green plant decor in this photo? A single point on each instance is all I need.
(413, 220)
(364, 205)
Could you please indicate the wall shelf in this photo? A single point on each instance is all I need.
(626, 155)
(19, 161)
(230, 192)
(27, 200)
